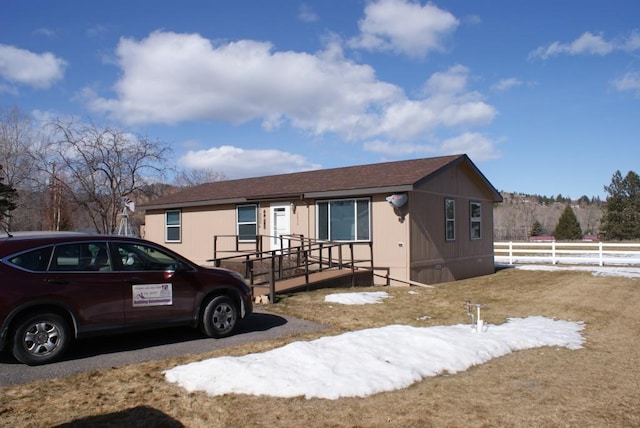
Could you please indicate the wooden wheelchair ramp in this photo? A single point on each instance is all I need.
(328, 278)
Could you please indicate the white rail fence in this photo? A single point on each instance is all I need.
(586, 253)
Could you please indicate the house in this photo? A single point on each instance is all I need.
(427, 220)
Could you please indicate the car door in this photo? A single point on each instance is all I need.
(80, 279)
(151, 294)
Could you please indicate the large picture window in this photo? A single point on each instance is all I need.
(344, 220)
(450, 219)
(172, 226)
(247, 222)
(476, 220)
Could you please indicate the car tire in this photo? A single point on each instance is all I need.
(40, 338)
(220, 317)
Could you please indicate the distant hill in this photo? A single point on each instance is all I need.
(514, 218)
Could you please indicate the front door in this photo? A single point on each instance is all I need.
(280, 225)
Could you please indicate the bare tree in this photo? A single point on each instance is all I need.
(16, 143)
(20, 140)
(101, 166)
(194, 177)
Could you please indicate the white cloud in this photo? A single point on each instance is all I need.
(404, 27)
(588, 44)
(44, 31)
(306, 13)
(391, 149)
(629, 82)
(170, 78)
(506, 84)
(477, 146)
(27, 68)
(97, 30)
(446, 102)
(236, 162)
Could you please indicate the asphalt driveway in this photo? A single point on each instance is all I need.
(114, 351)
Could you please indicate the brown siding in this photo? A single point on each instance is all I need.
(433, 258)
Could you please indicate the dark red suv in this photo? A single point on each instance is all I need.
(56, 287)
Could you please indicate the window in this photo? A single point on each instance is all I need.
(35, 261)
(81, 257)
(172, 226)
(247, 222)
(344, 220)
(139, 257)
(450, 219)
(476, 220)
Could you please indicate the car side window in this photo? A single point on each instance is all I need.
(36, 260)
(101, 260)
(69, 257)
(143, 257)
(81, 257)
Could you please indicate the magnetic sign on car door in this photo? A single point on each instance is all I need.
(152, 294)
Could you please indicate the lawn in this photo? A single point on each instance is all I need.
(543, 387)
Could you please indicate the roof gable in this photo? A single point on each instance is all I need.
(372, 178)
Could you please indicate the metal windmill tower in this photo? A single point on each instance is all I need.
(127, 206)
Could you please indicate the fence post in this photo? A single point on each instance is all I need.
(510, 252)
(600, 256)
(553, 252)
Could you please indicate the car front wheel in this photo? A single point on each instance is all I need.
(220, 317)
(40, 339)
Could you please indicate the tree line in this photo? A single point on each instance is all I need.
(521, 216)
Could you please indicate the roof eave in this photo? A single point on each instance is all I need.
(208, 202)
(356, 192)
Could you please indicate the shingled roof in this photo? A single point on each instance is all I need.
(373, 178)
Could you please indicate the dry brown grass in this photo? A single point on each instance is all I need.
(596, 386)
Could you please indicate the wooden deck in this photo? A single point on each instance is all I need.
(326, 279)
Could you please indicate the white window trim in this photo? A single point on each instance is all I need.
(239, 223)
(473, 220)
(172, 226)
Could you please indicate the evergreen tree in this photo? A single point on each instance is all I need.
(7, 197)
(621, 219)
(537, 229)
(568, 226)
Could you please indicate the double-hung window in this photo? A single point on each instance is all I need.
(344, 220)
(247, 216)
(475, 214)
(172, 226)
(450, 219)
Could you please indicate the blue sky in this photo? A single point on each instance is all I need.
(543, 96)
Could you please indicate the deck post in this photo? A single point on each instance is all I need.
(306, 269)
(371, 254)
(353, 266)
(272, 285)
